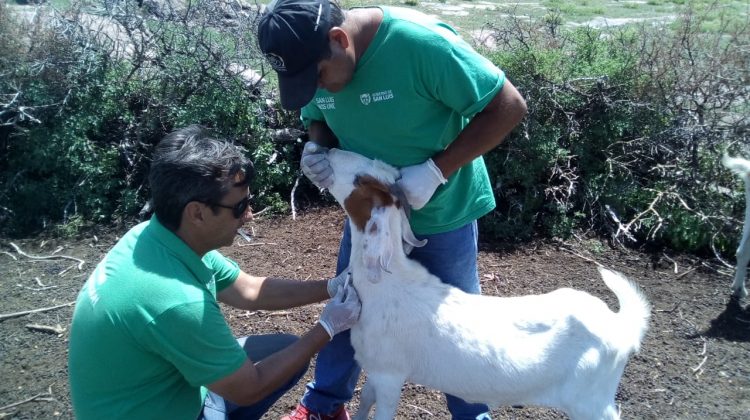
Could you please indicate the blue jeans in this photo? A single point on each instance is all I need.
(452, 256)
(257, 348)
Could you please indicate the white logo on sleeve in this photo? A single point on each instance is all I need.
(325, 102)
(365, 99)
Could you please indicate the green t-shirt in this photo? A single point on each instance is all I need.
(414, 90)
(147, 330)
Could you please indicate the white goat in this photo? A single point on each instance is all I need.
(563, 349)
(741, 167)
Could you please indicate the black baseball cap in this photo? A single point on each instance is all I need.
(293, 35)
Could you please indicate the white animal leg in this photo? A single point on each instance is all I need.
(387, 390)
(591, 411)
(366, 401)
(743, 258)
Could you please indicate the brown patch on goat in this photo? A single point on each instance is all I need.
(368, 194)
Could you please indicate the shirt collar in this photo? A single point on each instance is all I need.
(180, 250)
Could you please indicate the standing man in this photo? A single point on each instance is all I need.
(148, 338)
(396, 85)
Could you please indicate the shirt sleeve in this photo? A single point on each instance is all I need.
(224, 269)
(457, 75)
(310, 113)
(195, 338)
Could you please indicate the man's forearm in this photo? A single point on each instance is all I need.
(270, 293)
(320, 133)
(276, 369)
(485, 131)
(254, 381)
(278, 293)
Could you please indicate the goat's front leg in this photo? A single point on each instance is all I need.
(385, 389)
(366, 401)
(743, 258)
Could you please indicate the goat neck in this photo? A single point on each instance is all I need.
(378, 224)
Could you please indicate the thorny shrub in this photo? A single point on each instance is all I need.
(83, 104)
(625, 132)
(624, 135)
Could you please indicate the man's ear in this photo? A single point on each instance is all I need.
(339, 36)
(194, 213)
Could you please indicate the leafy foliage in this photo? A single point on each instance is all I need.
(83, 106)
(624, 134)
(623, 138)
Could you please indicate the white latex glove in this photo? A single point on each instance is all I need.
(419, 182)
(342, 311)
(340, 280)
(315, 165)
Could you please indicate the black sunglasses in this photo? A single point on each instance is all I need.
(238, 209)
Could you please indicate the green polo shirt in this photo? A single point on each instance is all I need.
(147, 330)
(414, 90)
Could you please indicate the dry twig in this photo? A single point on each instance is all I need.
(57, 329)
(420, 409)
(48, 257)
(700, 365)
(45, 396)
(32, 311)
(685, 273)
(294, 189)
(10, 255)
(259, 213)
(257, 244)
(581, 256)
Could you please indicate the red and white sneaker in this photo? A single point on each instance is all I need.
(302, 413)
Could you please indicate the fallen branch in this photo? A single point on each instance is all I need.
(266, 313)
(291, 197)
(705, 357)
(581, 256)
(58, 329)
(420, 409)
(48, 257)
(61, 273)
(42, 286)
(32, 311)
(685, 273)
(36, 289)
(262, 211)
(700, 365)
(46, 396)
(677, 305)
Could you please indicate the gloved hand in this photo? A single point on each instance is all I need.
(315, 165)
(342, 311)
(340, 280)
(419, 182)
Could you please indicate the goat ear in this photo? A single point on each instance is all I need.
(377, 245)
(407, 235)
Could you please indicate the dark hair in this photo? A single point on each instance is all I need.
(337, 14)
(191, 164)
(337, 18)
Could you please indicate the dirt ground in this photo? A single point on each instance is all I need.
(694, 363)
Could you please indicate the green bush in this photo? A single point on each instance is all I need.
(624, 134)
(86, 112)
(623, 137)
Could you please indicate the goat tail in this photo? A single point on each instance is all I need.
(635, 311)
(738, 165)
